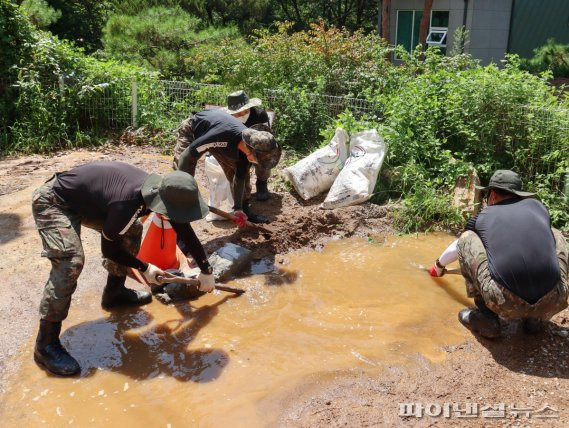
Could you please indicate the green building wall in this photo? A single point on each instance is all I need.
(535, 21)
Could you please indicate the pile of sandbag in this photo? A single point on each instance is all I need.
(349, 174)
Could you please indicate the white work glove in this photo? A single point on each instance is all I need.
(207, 282)
(151, 273)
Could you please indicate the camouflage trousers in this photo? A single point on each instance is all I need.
(479, 283)
(185, 137)
(60, 230)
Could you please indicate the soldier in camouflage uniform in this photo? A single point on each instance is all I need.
(60, 230)
(252, 115)
(249, 112)
(108, 197)
(234, 146)
(514, 263)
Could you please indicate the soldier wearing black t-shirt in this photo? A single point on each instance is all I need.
(233, 145)
(109, 197)
(513, 261)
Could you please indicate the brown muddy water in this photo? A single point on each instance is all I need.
(221, 361)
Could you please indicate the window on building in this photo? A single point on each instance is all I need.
(437, 36)
(408, 27)
(439, 18)
(438, 29)
(407, 31)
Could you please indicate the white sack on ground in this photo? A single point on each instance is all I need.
(219, 188)
(315, 173)
(356, 181)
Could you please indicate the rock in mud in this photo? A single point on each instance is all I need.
(229, 260)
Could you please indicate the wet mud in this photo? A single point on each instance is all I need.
(214, 361)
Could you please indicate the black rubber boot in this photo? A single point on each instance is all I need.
(262, 191)
(116, 294)
(252, 217)
(50, 353)
(478, 322)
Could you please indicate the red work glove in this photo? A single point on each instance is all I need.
(437, 270)
(241, 219)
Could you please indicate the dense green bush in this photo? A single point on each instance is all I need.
(16, 36)
(162, 39)
(297, 68)
(455, 113)
(552, 57)
(321, 60)
(53, 96)
(40, 13)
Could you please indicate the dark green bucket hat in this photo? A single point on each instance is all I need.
(506, 180)
(175, 196)
(239, 101)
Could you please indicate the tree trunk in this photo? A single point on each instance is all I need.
(379, 18)
(385, 18)
(425, 21)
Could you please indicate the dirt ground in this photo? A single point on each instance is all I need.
(518, 371)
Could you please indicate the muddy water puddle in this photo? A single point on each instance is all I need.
(219, 360)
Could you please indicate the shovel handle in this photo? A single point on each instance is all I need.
(229, 216)
(178, 280)
(196, 283)
(237, 291)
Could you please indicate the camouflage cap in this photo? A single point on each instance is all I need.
(264, 145)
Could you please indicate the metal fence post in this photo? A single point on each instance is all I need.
(567, 187)
(134, 107)
(61, 85)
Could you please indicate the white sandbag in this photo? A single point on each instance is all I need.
(315, 173)
(219, 188)
(355, 183)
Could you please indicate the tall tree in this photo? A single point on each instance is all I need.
(81, 21)
(425, 21)
(352, 14)
(385, 17)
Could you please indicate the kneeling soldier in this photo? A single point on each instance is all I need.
(513, 261)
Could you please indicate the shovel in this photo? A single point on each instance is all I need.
(191, 281)
(231, 217)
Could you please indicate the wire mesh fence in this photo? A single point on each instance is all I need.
(163, 104)
(333, 105)
(103, 106)
(539, 143)
(536, 140)
(166, 103)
